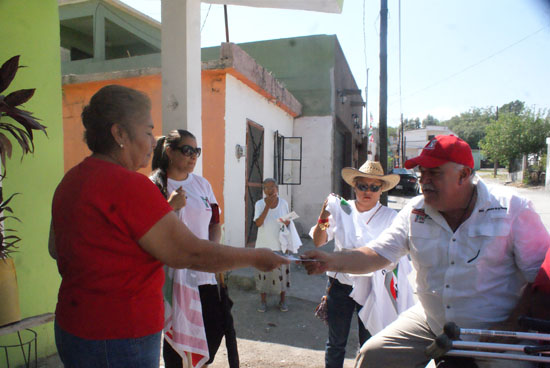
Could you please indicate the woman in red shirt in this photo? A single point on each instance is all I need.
(112, 230)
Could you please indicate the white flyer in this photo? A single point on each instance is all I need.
(290, 216)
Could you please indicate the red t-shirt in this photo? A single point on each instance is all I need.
(111, 288)
(542, 281)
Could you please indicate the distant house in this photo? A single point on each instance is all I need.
(416, 139)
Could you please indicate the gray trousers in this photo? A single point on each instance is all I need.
(402, 345)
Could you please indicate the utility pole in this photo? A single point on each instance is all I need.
(383, 109)
(367, 126)
(403, 156)
(495, 161)
(403, 150)
(226, 23)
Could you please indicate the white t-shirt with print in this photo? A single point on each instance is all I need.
(197, 212)
(268, 233)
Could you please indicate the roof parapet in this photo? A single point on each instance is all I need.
(246, 69)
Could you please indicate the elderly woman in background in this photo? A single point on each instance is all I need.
(353, 224)
(192, 198)
(112, 230)
(267, 216)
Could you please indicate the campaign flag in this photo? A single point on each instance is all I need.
(371, 136)
(183, 323)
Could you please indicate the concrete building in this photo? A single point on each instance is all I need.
(32, 31)
(313, 69)
(416, 139)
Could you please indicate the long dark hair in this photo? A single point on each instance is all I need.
(161, 161)
(173, 140)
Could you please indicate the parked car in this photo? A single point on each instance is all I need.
(408, 181)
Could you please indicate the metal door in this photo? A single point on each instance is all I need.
(254, 177)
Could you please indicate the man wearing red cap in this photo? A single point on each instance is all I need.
(474, 249)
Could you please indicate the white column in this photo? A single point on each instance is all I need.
(181, 68)
(547, 183)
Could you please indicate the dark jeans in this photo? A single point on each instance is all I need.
(340, 312)
(75, 352)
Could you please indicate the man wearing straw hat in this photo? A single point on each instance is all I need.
(352, 224)
(474, 248)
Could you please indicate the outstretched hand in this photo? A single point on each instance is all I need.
(267, 260)
(321, 263)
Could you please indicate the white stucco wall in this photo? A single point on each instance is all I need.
(243, 103)
(418, 138)
(317, 142)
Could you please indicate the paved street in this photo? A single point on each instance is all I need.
(537, 195)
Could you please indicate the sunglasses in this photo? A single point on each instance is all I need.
(366, 187)
(188, 150)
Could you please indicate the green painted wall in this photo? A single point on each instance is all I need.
(305, 70)
(31, 28)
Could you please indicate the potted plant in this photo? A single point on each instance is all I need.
(18, 125)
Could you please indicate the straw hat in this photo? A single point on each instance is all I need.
(372, 170)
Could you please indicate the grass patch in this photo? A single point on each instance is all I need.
(502, 175)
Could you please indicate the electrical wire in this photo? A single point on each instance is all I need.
(476, 63)
(206, 17)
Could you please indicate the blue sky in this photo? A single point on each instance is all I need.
(455, 54)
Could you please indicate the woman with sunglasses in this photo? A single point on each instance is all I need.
(192, 198)
(353, 224)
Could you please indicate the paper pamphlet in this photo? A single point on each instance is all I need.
(290, 216)
(294, 258)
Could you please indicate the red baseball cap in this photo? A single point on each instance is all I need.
(443, 149)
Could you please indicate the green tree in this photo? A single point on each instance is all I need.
(515, 107)
(471, 125)
(411, 124)
(514, 135)
(429, 120)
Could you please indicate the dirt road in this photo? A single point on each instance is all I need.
(275, 339)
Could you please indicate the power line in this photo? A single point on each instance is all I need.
(476, 63)
(206, 17)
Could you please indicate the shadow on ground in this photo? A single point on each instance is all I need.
(296, 332)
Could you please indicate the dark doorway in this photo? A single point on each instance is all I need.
(342, 158)
(254, 177)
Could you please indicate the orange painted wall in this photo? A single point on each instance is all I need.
(76, 96)
(213, 132)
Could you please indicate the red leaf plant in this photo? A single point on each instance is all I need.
(22, 123)
(19, 125)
